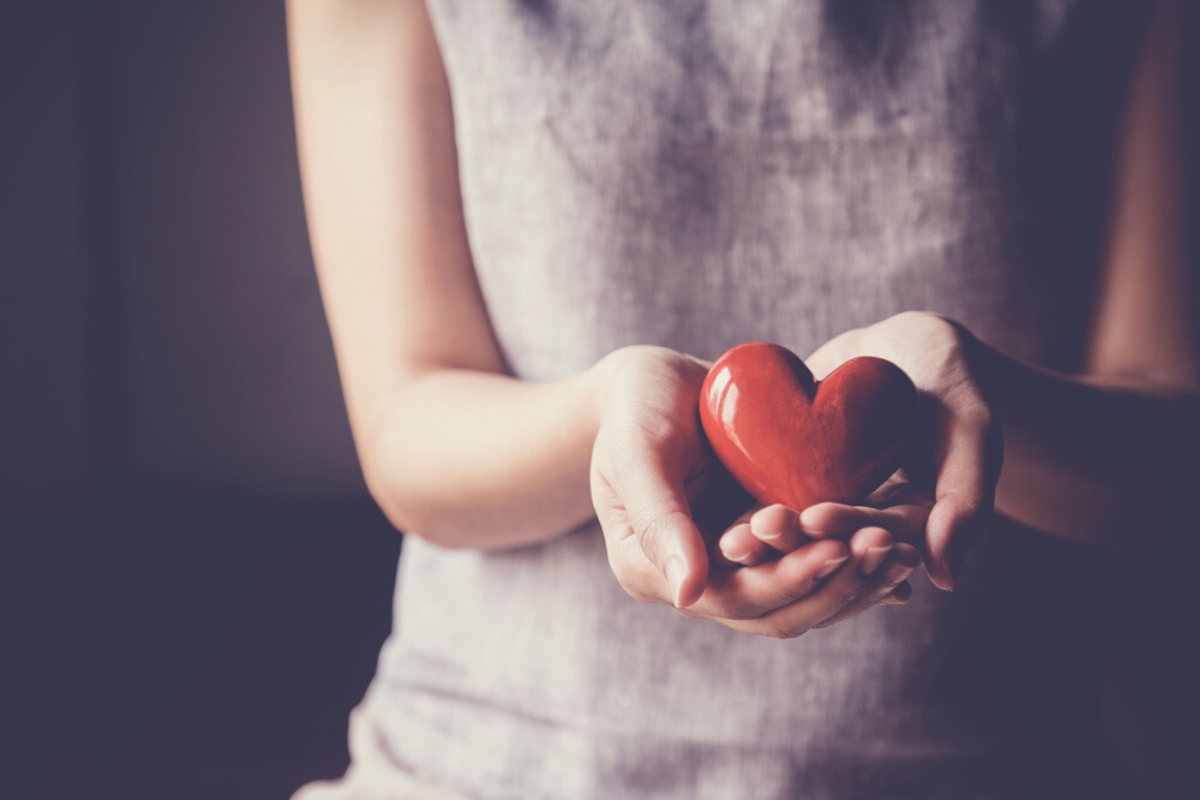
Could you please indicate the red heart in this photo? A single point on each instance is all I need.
(787, 439)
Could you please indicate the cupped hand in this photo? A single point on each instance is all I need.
(651, 471)
(767, 533)
(954, 463)
(892, 529)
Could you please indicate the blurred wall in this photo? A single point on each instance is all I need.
(232, 381)
(47, 447)
(194, 582)
(159, 312)
(160, 327)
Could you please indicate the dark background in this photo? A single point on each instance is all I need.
(194, 582)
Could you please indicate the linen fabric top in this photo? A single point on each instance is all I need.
(700, 173)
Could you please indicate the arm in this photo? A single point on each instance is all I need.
(452, 448)
(1095, 457)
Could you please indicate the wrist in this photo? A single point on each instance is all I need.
(646, 366)
(596, 382)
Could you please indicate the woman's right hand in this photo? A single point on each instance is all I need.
(651, 467)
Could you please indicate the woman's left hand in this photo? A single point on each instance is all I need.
(944, 494)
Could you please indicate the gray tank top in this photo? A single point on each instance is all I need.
(697, 174)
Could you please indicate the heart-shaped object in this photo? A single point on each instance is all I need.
(788, 439)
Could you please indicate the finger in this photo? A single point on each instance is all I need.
(661, 520)
(899, 483)
(737, 546)
(778, 526)
(741, 547)
(751, 592)
(899, 596)
(904, 522)
(637, 576)
(771, 531)
(869, 549)
(901, 563)
(965, 494)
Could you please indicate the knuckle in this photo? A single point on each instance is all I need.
(852, 609)
(739, 609)
(776, 630)
(659, 528)
(966, 509)
(800, 592)
(976, 414)
(638, 593)
(636, 582)
(610, 514)
(847, 597)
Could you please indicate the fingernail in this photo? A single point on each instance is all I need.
(739, 556)
(810, 529)
(676, 573)
(873, 560)
(941, 575)
(747, 558)
(830, 567)
(897, 572)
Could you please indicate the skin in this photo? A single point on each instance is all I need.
(1097, 457)
(458, 452)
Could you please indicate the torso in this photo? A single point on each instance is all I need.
(696, 175)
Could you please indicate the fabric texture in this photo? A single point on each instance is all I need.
(696, 175)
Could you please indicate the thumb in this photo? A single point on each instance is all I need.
(965, 495)
(661, 518)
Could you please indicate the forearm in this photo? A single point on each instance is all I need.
(480, 460)
(1094, 459)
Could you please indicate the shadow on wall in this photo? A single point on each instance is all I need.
(197, 580)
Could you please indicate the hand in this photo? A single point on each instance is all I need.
(955, 465)
(873, 532)
(652, 470)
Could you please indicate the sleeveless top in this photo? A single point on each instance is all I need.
(700, 173)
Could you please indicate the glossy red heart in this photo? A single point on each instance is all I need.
(788, 439)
